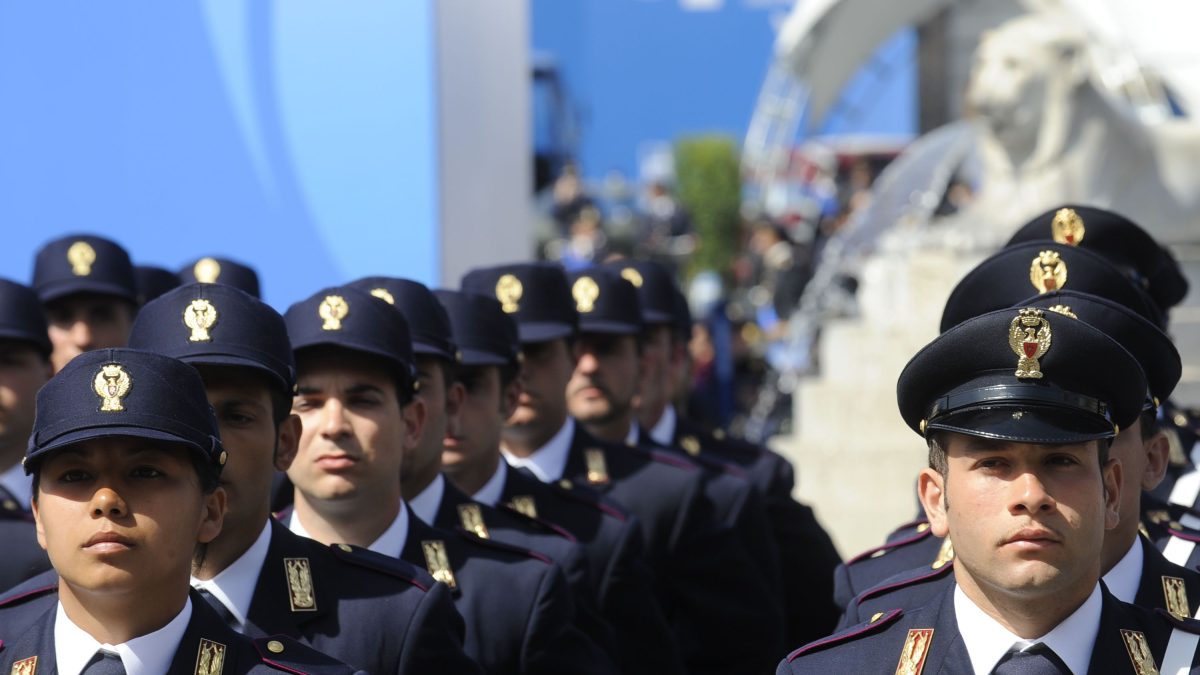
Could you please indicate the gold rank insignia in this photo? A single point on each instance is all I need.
(509, 291)
(438, 563)
(1064, 310)
(585, 291)
(210, 659)
(914, 651)
(300, 584)
(206, 271)
(81, 255)
(24, 666)
(1139, 652)
(333, 309)
(690, 444)
(1029, 337)
(597, 467)
(200, 315)
(524, 504)
(1048, 272)
(945, 554)
(470, 516)
(384, 295)
(633, 276)
(1067, 227)
(112, 384)
(1175, 594)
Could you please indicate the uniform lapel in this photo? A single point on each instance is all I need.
(947, 652)
(272, 610)
(1109, 654)
(36, 641)
(208, 647)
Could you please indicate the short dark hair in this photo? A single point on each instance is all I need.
(1149, 420)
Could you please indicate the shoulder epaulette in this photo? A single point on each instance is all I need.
(1186, 623)
(539, 523)
(1186, 535)
(393, 567)
(924, 574)
(587, 498)
(710, 462)
(880, 550)
(291, 656)
(668, 458)
(30, 594)
(501, 546)
(911, 525)
(877, 622)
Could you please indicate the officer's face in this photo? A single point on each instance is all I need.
(481, 417)
(605, 378)
(1143, 463)
(85, 321)
(544, 378)
(353, 429)
(23, 370)
(1027, 521)
(120, 516)
(442, 401)
(655, 391)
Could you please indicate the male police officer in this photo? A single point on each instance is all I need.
(87, 286)
(377, 612)
(355, 399)
(215, 270)
(126, 465)
(1018, 407)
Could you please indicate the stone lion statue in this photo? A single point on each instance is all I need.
(1049, 134)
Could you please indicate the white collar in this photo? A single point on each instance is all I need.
(391, 542)
(149, 654)
(425, 505)
(234, 585)
(548, 462)
(663, 431)
(18, 485)
(493, 490)
(1125, 577)
(987, 641)
(631, 438)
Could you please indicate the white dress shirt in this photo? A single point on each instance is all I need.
(631, 438)
(549, 461)
(1125, 577)
(987, 641)
(150, 654)
(425, 505)
(663, 431)
(18, 485)
(493, 489)
(390, 543)
(234, 585)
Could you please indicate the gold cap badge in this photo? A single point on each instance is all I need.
(210, 658)
(1048, 272)
(690, 444)
(633, 276)
(206, 270)
(1175, 594)
(585, 291)
(300, 585)
(111, 385)
(470, 516)
(81, 255)
(597, 467)
(333, 309)
(914, 651)
(524, 504)
(509, 291)
(1139, 652)
(1067, 227)
(1064, 310)
(24, 666)
(200, 315)
(1029, 338)
(438, 563)
(384, 295)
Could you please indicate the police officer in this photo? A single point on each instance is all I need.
(1017, 407)
(807, 556)
(87, 286)
(126, 465)
(377, 612)
(216, 270)
(355, 399)
(24, 368)
(702, 573)
(489, 377)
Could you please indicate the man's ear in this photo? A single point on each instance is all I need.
(931, 490)
(1158, 455)
(1111, 475)
(213, 516)
(415, 414)
(456, 393)
(287, 442)
(510, 397)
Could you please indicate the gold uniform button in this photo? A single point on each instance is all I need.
(922, 527)
(565, 484)
(10, 505)
(346, 548)
(223, 458)
(877, 616)
(275, 647)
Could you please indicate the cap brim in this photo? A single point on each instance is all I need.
(655, 316)
(1026, 424)
(543, 331)
(60, 289)
(609, 327)
(41, 342)
(426, 349)
(233, 360)
(90, 433)
(476, 357)
(355, 346)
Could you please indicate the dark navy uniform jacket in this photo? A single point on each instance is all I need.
(379, 613)
(519, 612)
(612, 542)
(27, 616)
(909, 547)
(807, 556)
(876, 646)
(23, 557)
(725, 619)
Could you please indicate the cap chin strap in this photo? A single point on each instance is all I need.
(1018, 394)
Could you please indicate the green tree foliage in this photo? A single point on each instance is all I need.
(710, 187)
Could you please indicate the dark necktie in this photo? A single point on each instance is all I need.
(104, 663)
(222, 610)
(1037, 660)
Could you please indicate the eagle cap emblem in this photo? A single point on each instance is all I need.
(333, 309)
(112, 384)
(81, 255)
(509, 291)
(633, 276)
(383, 294)
(1067, 227)
(206, 270)
(585, 291)
(200, 315)
(1029, 338)
(1048, 272)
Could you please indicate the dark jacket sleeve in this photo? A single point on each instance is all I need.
(553, 643)
(434, 640)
